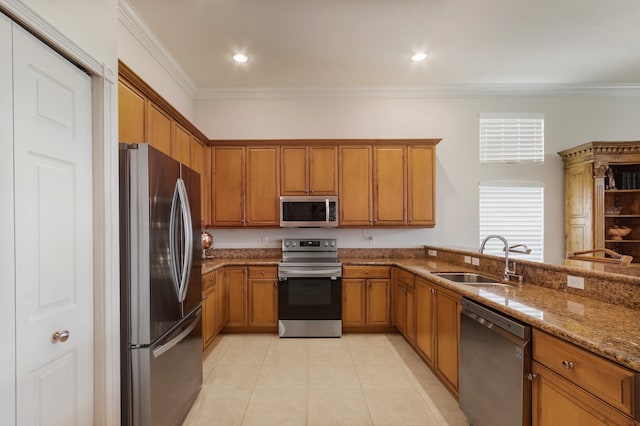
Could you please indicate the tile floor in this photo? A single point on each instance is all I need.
(359, 379)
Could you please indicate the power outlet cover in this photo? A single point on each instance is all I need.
(467, 259)
(432, 252)
(575, 282)
(475, 261)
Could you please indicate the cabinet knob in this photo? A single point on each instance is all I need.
(568, 365)
(366, 272)
(261, 272)
(531, 376)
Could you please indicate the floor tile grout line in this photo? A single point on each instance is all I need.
(255, 384)
(364, 396)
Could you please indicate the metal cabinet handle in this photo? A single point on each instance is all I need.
(532, 376)
(261, 272)
(60, 336)
(567, 364)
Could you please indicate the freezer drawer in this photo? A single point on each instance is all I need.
(168, 375)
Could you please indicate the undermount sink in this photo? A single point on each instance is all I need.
(469, 278)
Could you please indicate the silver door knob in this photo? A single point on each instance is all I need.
(60, 336)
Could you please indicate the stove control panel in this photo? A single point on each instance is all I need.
(322, 244)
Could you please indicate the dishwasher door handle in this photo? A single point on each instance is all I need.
(494, 328)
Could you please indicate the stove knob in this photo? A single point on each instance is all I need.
(326, 243)
(287, 244)
(333, 243)
(293, 244)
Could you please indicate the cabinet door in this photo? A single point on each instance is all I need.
(447, 336)
(221, 294)
(160, 132)
(132, 106)
(401, 308)
(378, 310)
(236, 287)
(353, 313)
(425, 338)
(263, 303)
(421, 185)
(228, 186)
(262, 192)
(294, 174)
(209, 302)
(355, 185)
(181, 148)
(389, 186)
(323, 168)
(557, 401)
(201, 163)
(579, 208)
(410, 319)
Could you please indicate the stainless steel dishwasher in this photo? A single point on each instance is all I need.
(495, 357)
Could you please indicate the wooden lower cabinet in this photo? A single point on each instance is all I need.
(236, 284)
(438, 330)
(263, 297)
(366, 296)
(557, 401)
(404, 303)
(210, 307)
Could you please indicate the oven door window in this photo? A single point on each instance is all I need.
(310, 298)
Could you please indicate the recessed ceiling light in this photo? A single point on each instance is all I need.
(240, 57)
(419, 57)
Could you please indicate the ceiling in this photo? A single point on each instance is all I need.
(368, 43)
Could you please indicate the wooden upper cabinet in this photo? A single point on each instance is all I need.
(354, 171)
(201, 163)
(160, 129)
(132, 107)
(228, 186)
(181, 147)
(323, 170)
(309, 170)
(389, 185)
(421, 185)
(262, 191)
(294, 176)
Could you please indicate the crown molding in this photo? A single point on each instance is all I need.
(132, 21)
(441, 91)
(29, 19)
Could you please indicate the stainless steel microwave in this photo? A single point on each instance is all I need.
(309, 212)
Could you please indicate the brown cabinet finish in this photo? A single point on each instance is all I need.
(378, 309)
(421, 185)
(557, 401)
(425, 317)
(228, 186)
(294, 176)
(132, 113)
(236, 280)
(160, 129)
(262, 190)
(181, 147)
(201, 163)
(356, 198)
(404, 305)
(209, 309)
(323, 170)
(353, 302)
(263, 297)
(447, 331)
(222, 300)
(366, 296)
(389, 185)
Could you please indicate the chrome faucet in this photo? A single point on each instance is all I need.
(507, 271)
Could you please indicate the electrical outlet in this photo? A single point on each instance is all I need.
(432, 253)
(467, 259)
(475, 261)
(575, 282)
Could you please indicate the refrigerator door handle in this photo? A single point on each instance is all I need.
(188, 239)
(173, 243)
(179, 338)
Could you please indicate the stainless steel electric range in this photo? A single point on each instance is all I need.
(309, 289)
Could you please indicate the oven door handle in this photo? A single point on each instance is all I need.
(305, 273)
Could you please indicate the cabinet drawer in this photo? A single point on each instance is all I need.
(606, 380)
(263, 272)
(404, 277)
(209, 280)
(366, 272)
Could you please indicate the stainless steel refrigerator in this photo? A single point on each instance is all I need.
(160, 287)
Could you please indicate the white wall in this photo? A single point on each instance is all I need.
(569, 121)
(143, 63)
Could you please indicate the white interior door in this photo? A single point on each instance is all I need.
(53, 236)
(7, 277)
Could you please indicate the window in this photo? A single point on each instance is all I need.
(514, 210)
(511, 138)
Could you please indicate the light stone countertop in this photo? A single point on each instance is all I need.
(603, 328)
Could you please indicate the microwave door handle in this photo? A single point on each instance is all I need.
(326, 210)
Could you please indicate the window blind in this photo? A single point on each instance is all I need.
(511, 138)
(517, 213)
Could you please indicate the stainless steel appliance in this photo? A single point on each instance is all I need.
(495, 357)
(309, 289)
(160, 288)
(309, 212)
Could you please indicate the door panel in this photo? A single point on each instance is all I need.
(7, 273)
(54, 247)
(389, 198)
(355, 185)
(294, 175)
(228, 186)
(323, 170)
